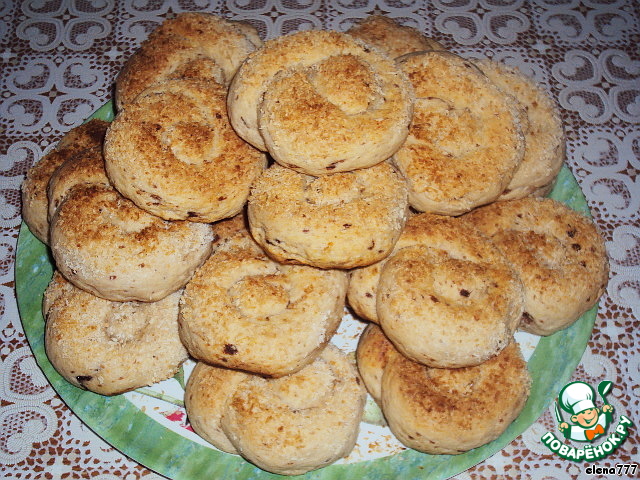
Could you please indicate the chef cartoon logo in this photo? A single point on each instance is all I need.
(589, 417)
(588, 421)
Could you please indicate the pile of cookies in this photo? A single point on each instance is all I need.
(246, 192)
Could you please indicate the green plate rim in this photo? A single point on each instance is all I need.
(125, 427)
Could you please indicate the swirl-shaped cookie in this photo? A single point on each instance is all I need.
(104, 244)
(300, 422)
(374, 351)
(362, 290)
(363, 281)
(391, 37)
(465, 141)
(321, 102)
(544, 136)
(451, 411)
(174, 154)
(452, 300)
(89, 134)
(190, 45)
(242, 310)
(558, 253)
(206, 399)
(86, 168)
(35, 202)
(344, 220)
(110, 347)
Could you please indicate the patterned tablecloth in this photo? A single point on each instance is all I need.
(59, 60)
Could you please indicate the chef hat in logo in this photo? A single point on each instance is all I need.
(576, 397)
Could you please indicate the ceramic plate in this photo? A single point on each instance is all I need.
(149, 425)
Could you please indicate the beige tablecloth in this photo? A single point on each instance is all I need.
(59, 59)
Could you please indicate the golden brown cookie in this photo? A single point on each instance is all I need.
(451, 299)
(110, 347)
(391, 37)
(343, 220)
(558, 253)
(35, 202)
(206, 399)
(465, 141)
(373, 354)
(174, 154)
(451, 411)
(104, 244)
(363, 281)
(244, 311)
(321, 102)
(190, 45)
(544, 136)
(86, 168)
(89, 134)
(362, 291)
(299, 422)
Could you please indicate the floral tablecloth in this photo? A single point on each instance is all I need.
(59, 60)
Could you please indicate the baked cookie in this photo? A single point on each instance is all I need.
(321, 102)
(544, 136)
(363, 281)
(465, 141)
(362, 290)
(110, 347)
(391, 37)
(104, 244)
(343, 220)
(89, 134)
(35, 202)
(452, 299)
(558, 253)
(174, 154)
(244, 311)
(86, 168)
(300, 422)
(206, 399)
(374, 351)
(451, 411)
(190, 45)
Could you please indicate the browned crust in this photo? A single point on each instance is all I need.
(242, 310)
(450, 411)
(206, 398)
(192, 44)
(544, 136)
(301, 59)
(548, 243)
(344, 220)
(373, 354)
(300, 422)
(451, 299)
(104, 244)
(391, 37)
(86, 168)
(94, 342)
(174, 154)
(465, 141)
(35, 202)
